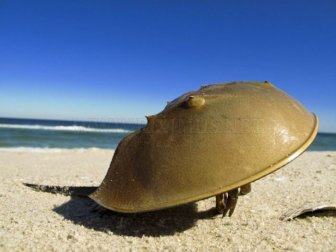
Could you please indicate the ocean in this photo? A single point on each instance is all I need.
(47, 134)
(33, 133)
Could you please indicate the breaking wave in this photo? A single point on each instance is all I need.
(63, 128)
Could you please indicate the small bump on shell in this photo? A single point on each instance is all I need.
(195, 101)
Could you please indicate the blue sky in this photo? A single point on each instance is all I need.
(103, 59)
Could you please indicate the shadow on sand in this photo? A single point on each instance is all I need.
(318, 213)
(86, 212)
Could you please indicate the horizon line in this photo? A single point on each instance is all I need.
(126, 120)
(129, 120)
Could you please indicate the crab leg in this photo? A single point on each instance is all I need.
(231, 202)
(245, 189)
(221, 200)
(226, 202)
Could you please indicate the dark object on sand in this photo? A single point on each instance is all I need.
(210, 142)
(308, 208)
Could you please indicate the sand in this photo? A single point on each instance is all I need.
(40, 221)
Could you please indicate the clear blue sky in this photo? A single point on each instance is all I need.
(103, 59)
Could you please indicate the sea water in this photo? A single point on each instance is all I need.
(33, 133)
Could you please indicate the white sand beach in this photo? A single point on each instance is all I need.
(41, 221)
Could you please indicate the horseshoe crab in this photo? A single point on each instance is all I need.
(210, 142)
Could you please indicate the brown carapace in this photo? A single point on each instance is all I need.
(210, 142)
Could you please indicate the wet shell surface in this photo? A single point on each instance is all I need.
(204, 143)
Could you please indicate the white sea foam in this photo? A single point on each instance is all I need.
(63, 128)
(29, 149)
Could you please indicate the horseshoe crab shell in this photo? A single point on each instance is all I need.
(204, 143)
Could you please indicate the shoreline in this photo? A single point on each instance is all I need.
(57, 149)
(47, 149)
(31, 220)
